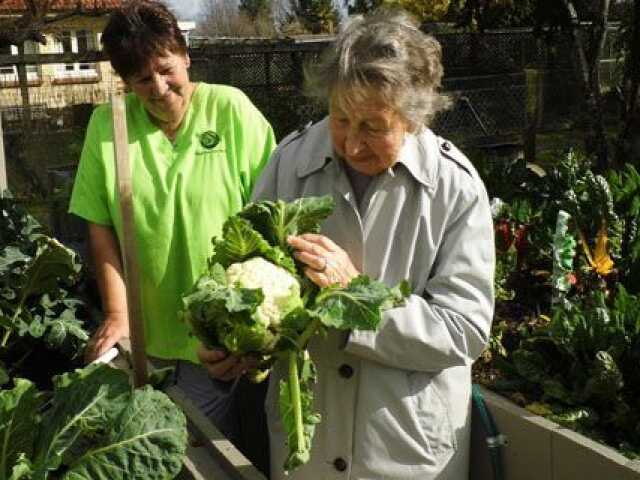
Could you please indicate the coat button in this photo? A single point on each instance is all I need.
(345, 370)
(340, 464)
(446, 146)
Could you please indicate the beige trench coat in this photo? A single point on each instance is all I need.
(395, 403)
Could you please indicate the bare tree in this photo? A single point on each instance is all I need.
(315, 16)
(629, 138)
(588, 51)
(223, 18)
(30, 22)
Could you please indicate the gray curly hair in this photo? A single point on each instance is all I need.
(387, 53)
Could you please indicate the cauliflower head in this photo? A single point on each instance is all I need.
(280, 288)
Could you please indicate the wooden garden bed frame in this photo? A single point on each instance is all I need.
(210, 456)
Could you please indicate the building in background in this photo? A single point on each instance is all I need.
(59, 85)
(186, 28)
(63, 84)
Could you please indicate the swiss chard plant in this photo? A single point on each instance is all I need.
(93, 426)
(568, 346)
(255, 300)
(625, 188)
(40, 308)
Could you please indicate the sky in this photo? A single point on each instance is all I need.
(188, 9)
(185, 9)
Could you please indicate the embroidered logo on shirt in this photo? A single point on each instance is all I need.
(209, 139)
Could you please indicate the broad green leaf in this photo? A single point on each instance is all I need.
(277, 220)
(292, 325)
(605, 380)
(85, 402)
(243, 299)
(63, 329)
(240, 241)
(555, 389)
(209, 306)
(36, 327)
(22, 469)
(18, 424)
(10, 256)
(52, 264)
(95, 428)
(218, 274)
(242, 338)
(530, 365)
(359, 305)
(147, 441)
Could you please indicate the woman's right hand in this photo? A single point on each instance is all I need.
(114, 328)
(221, 365)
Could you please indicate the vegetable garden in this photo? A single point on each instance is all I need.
(57, 423)
(565, 341)
(566, 333)
(66, 422)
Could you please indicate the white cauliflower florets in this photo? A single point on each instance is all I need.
(281, 289)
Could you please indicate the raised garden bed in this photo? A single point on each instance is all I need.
(209, 454)
(538, 449)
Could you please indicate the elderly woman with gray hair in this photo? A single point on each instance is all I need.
(395, 403)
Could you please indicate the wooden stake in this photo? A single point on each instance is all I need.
(128, 244)
(4, 185)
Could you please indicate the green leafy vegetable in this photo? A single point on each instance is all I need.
(41, 311)
(95, 427)
(255, 300)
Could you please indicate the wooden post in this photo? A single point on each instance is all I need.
(128, 244)
(23, 81)
(534, 111)
(4, 185)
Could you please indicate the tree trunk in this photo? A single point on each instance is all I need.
(631, 92)
(587, 62)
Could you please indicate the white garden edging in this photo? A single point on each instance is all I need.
(538, 449)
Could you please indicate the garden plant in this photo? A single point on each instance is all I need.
(255, 300)
(57, 420)
(566, 335)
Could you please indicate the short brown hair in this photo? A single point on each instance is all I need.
(139, 31)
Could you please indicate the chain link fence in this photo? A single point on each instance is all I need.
(485, 78)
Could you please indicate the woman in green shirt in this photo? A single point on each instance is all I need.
(196, 151)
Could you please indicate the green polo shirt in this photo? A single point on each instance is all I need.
(182, 194)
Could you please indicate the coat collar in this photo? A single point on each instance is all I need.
(419, 153)
(317, 149)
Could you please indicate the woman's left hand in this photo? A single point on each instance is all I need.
(326, 263)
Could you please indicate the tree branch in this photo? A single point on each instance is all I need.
(599, 32)
(576, 39)
(631, 83)
(37, 16)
